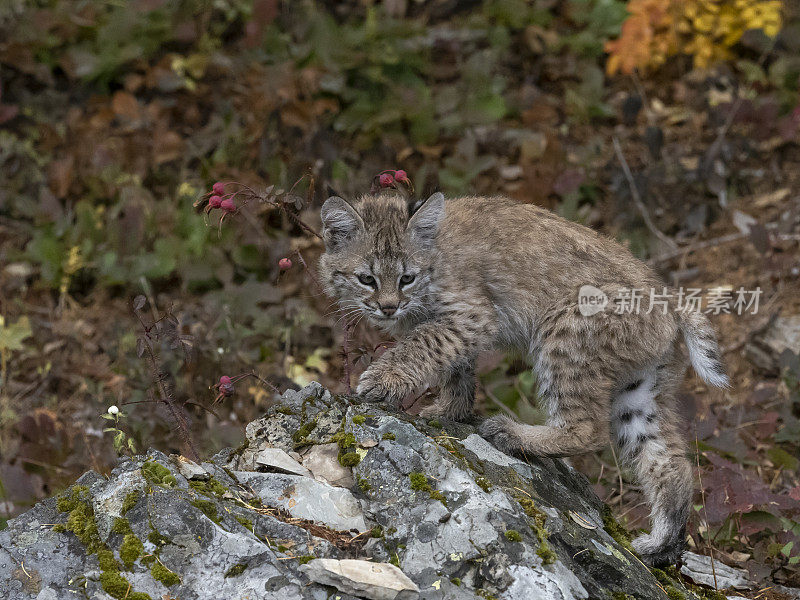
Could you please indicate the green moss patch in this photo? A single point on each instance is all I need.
(158, 474)
(211, 487)
(130, 550)
(208, 508)
(164, 575)
(157, 539)
(376, 532)
(116, 586)
(389, 436)
(359, 419)
(615, 530)
(349, 459)
(419, 483)
(484, 484)
(236, 570)
(81, 521)
(346, 442)
(303, 560)
(106, 560)
(245, 522)
(513, 535)
(130, 501)
(300, 437)
(673, 593)
(544, 551)
(121, 526)
(69, 501)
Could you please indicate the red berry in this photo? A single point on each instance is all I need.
(385, 180)
(215, 201)
(285, 264)
(218, 188)
(400, 175)
(226, 386)
(227, 205)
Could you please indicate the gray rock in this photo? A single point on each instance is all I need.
(699, 569)
(306, 498)
(765, 347)
(485, 451)
(190, 469)
(323, 462)
(277, 460)
(793, 593)
(362, 578)
(460, 519)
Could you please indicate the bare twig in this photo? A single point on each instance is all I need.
(719, 241)
(346, 376)
(637, 199)
(619, 475)
(651, 120)
(500, 405)
(676, 252)
(161, 380)
(716, 145)
(703, 501)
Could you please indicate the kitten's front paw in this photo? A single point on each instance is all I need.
(459, 412)
(501, 431)
(434, 410)
(382, 385)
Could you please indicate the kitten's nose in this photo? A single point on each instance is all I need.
(389, 309)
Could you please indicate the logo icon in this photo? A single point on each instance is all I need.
(591, 300)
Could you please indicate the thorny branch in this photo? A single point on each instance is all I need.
(159, 376)
(637, 199)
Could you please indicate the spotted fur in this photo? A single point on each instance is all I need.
(456, 277)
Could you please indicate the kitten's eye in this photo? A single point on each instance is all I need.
(367, 279)
(407, 278)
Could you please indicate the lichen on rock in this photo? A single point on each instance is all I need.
(458, 518)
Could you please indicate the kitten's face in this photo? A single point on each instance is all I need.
(378, 261)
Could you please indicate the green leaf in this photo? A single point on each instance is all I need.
(781, 458)
(11, 336)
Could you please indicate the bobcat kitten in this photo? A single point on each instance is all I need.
(464, 275)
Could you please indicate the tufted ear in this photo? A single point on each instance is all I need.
(424, 224)
(340, 222)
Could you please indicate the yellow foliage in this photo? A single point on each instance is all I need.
(704, 29)
(72, 264)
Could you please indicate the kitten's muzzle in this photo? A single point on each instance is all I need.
(387, 309)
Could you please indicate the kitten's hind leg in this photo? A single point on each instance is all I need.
(456, 394)
(645, 428)
(576, 394)
(579, 436)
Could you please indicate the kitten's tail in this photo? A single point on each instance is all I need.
(703, 348)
